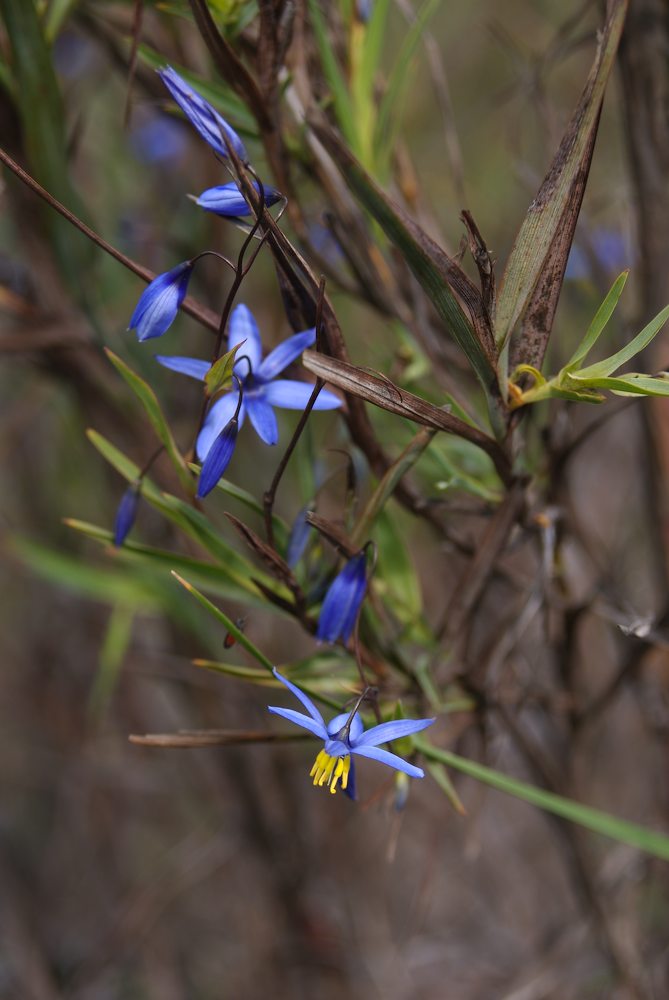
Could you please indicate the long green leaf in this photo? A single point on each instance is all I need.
(227, 622)
(631, 385)
(592, 819)
(334, 76)
(43, 121)
(389, 118)
(433, 268)
(190, 521)
(626, 353)
(540, 227)
(601, 318)
(149, 401)
(223, 580)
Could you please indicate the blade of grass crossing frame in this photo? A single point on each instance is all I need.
(149, 401)
(592, 819)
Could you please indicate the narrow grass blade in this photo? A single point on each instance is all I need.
(601, 318)
(592, 819)
(149, 401)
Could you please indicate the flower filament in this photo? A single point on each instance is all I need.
(330, 770)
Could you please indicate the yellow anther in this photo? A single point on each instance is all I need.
(330, 770)
(326, 774)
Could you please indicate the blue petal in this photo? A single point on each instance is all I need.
(300, 720)
(287, 351)
(159, 302)
(262, 417)
(200, 113)
(306, 701)
(125, 514)
(244, 327)
(337, 724)
(388, 731)
(292, 395)
(218, 416)
(390, 759)
(227, 199)
(350, 784)
(218, 459)
(186, 366)
(342, 601)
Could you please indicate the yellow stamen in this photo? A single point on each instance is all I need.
(330, 770)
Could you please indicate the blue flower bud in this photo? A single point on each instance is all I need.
(342, 601)
(160, 301)
(211, 126)
(218, 458)
(126, 514)
(227, 200)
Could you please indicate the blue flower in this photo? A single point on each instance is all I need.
(200, 113)
(126, 514)
(261, 390)
(342, 601)
(159, 302)
(227, 199)
(344, 736)
(218, 458)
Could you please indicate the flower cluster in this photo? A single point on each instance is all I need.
(257, 389)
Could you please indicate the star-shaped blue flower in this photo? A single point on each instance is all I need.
(345, 736)
(261, 389)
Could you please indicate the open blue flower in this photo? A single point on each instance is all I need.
(227, 200)
(261, 389)
(201, 115)
(159, 302)
(342, 601)
(345, 736)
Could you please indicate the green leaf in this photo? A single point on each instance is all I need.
(388, 483)
(219, 376)
(602, 316)
(614, 362)
(223, 580)
(190, 521)
(56, 15)
(374, 36)
(107, 585)
(44, 131)
(333, 75)
(112, 653)
(441, 776)
(388, 121)
(568, 170)
(632, 384)
(149, 401)
(592, 819)
(315, 688)
(396, 580)
(436, 272)
(230, 625)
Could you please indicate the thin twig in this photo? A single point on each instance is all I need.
(270, 494)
